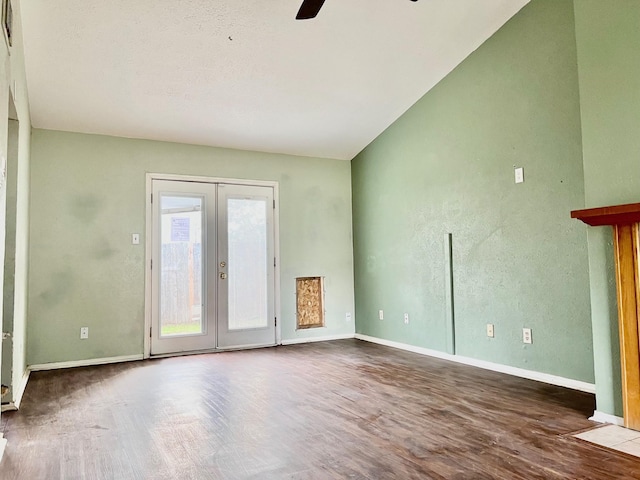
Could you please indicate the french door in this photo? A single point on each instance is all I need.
(213, 266)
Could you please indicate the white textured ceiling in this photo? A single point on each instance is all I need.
(243, 73)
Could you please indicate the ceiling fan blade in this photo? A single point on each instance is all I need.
(309, 9)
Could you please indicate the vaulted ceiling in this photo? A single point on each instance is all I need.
(244, 73)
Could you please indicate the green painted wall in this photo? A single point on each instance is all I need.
(447, 165)
(88, 197)
(608, 40)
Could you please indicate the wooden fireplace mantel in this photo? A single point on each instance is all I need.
(615, 215)
(625, 220)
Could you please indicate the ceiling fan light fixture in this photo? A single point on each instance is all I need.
(310, 8)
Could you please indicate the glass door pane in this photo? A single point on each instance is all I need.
(181, 295)
(247, 272)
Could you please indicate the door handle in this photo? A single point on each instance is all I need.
(223, 275)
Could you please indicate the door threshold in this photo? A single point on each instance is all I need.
(211, 350)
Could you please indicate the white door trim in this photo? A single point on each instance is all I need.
(148, 246)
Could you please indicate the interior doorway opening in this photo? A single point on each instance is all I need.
(12, 338)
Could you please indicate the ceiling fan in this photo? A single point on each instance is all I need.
(310, 8)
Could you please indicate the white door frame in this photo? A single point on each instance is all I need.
(148, 246)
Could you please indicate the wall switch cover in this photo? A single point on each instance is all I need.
(519, 175)
(490, 330)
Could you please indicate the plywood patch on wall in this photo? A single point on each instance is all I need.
(310, 302)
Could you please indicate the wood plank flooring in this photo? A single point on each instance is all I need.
(344, 409)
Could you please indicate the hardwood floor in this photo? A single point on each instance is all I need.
(344, 409)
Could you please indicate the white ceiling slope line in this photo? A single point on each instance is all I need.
(244, 74)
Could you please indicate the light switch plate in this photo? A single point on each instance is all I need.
(490, 332)
(519, 172)
(135, 239)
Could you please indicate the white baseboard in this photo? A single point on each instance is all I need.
(496, 367)
(602, 417)
(326, 338)
(84, 363)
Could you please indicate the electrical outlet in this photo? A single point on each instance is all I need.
(380, 314)
(348, 317)
(406, 318)
(526, 335)
(84, 333)
(490, 330)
